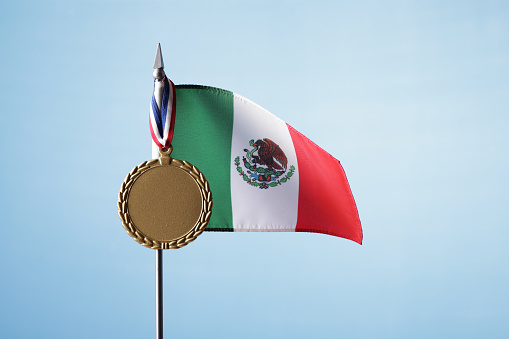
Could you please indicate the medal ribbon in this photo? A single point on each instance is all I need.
(162, 121)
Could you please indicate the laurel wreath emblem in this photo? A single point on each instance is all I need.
(259, 176)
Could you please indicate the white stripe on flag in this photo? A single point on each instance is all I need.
(255, 209)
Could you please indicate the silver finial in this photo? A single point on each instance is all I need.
(158, 73)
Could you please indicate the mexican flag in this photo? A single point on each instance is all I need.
(264, 175)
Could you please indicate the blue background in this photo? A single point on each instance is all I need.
(411, 96)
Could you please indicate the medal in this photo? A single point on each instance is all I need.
(164, 203)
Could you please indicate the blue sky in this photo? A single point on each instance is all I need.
(410, 96)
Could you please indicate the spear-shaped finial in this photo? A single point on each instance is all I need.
(158, 73)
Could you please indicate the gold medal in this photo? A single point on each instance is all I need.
(165, 203)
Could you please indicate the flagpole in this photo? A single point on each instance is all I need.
(159, 75)
(159, 294)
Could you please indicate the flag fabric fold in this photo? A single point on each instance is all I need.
(264, 175)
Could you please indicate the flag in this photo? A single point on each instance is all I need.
(264, 175)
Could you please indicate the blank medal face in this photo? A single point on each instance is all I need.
(165, 203)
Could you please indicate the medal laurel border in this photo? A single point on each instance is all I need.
(197, 229)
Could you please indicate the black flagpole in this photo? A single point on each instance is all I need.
(159, 293)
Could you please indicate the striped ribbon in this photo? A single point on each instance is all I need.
(162, 121)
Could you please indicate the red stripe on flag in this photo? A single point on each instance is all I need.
(326, 203)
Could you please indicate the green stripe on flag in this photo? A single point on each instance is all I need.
(203, 136)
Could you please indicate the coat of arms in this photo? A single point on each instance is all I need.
(265, 163)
